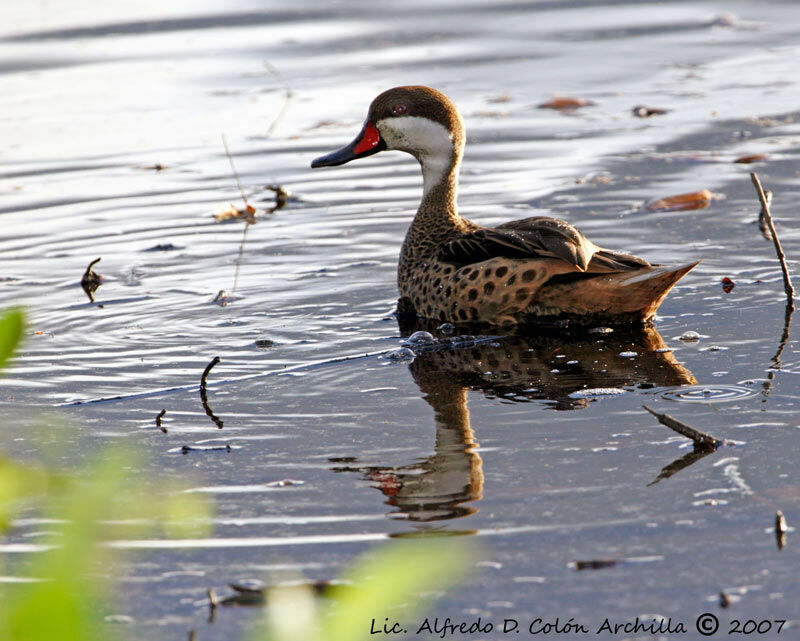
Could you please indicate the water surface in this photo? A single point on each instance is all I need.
(111, 121)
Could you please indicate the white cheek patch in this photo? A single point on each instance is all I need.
(429, 141)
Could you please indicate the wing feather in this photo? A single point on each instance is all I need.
(538, 237)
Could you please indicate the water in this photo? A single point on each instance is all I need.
(111, 121)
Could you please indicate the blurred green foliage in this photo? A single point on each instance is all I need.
(66, 590)
(397, 580)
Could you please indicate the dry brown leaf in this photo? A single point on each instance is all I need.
(228, 211)
(563, 103)
(682, 202)
(746, 160)
(727, 285)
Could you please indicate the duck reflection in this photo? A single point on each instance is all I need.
(551, 368)
(442, 485)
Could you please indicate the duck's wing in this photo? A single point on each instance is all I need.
(539, 237)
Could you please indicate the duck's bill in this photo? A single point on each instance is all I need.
(366, 143)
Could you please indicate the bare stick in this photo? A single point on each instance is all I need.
(207, 370)
(787, 282)
(239, 257)
(781, 528)
(158, 421)
(762, 218)
(287, 96)
(213, 602)
(701, 439)
(204, 397)
(233, 168)
(251, 218)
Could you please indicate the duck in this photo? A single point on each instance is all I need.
(522, 272)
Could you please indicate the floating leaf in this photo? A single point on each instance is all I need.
(563, 103)
(228, 211)
(727, 285)
(746, 160)
(681, 202)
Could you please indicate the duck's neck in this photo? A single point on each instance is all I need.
(438, 210)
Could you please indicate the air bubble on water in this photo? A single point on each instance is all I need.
(598, 391)
(421, 338)
(601, 330)
(399, 355)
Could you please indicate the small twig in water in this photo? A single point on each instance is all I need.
(203, 396)
(233, 168)
(207, 370)
(787, 282)
(90, 281)
(249, 220)
(247, 224)
(192, 635)
(781, 528)
(158, 421)
(185, 449)
(213, 602)
(287, 96)
(701, 439)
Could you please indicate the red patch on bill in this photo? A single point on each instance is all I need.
(368, 141)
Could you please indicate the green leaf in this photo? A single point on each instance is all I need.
(12, 324)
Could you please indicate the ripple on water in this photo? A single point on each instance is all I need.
(708, 393)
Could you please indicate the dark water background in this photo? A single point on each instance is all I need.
(497, 441)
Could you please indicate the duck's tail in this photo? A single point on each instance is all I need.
(629, 296)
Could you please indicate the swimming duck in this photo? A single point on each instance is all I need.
(523, 271)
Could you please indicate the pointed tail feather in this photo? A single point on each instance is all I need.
(630, 296)
(652, 288)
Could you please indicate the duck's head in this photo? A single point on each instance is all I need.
(418, 120)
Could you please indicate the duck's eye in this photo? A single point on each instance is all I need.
(398, 110)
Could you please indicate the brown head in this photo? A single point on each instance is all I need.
(418, 120)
